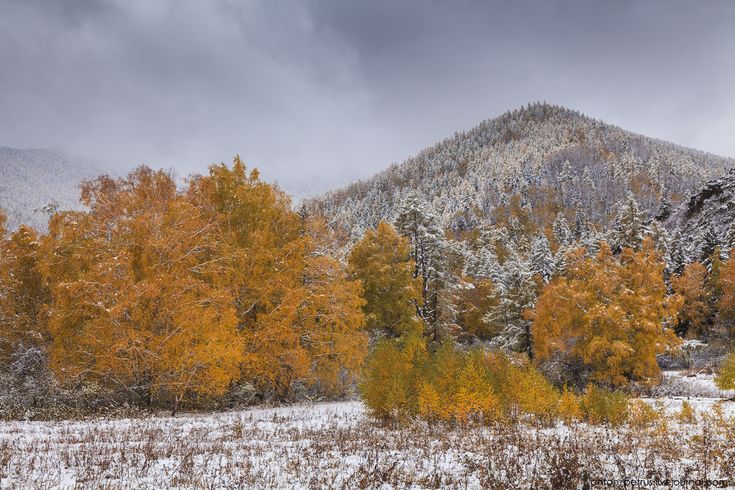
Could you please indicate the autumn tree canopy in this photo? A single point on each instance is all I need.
(24, 296)
(695, 311)
(381, 262)
(609, 312)
(168, 292)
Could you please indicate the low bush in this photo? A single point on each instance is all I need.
(642, 414)
(726, 377)
(405, 380)
(569, 410)
(601, 406)
(686, 414)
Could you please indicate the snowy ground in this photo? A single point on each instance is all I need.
(336, 445)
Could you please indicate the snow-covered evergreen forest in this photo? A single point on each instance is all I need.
(547, 157)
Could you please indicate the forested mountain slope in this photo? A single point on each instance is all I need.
(540, 158)
(33, 179)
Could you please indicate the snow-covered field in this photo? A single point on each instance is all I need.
(335, 445)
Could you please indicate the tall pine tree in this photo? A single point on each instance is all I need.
(582, 228)
(677, 257)
(630, 226)
(562, 233)
(432, 254)
(517, 296)
(542, 261)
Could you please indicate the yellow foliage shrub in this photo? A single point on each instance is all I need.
(718, 413)
(642, 414)
(601, 406)
(385, 387)
(403, 380)
(725, 379)
(531, 393)
(429, 403)
(686, 414)
(475, 399)
(568, 407)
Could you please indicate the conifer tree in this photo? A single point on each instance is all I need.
(516, 296)
(660, 236)
(542, 261)
(482, 264)
(560, 260)
(676, 258)
(729, 243)
(708, 242)
(582, 229)
(562, 233)
(432, 254)
(630, 226)
(713, 281)
(664, 208)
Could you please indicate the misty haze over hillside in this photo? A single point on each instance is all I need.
(34, 182)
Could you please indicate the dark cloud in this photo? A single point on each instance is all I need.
(320, 93)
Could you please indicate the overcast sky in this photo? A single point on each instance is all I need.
(319, 93)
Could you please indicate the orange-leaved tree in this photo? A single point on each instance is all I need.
(611, 313)
(329, 319)
(381, 262)
(299, 317)
(139, 298)
(261, 268)
(691, 286)
(24, 296)
(475, 302)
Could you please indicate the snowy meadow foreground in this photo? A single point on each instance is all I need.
(336, 445)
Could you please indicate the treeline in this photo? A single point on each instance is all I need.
(217, 294)
(158, 296)
(504, 331)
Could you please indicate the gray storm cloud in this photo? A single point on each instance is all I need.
(319, 93)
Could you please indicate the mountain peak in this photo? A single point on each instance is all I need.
(548, 157)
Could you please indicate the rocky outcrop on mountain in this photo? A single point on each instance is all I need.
(707, 216)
